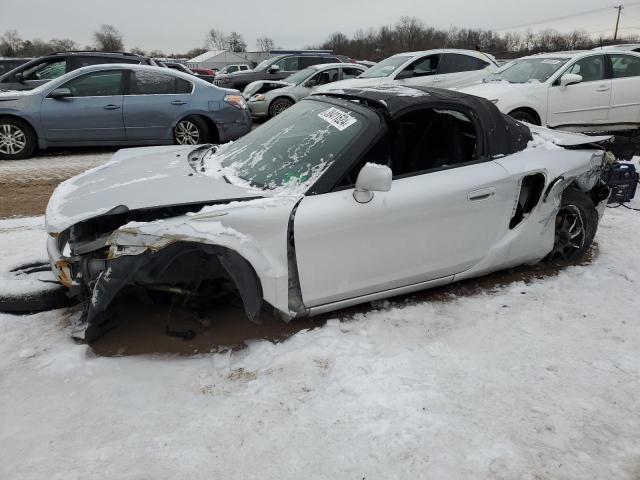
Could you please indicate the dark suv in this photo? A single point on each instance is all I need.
(276, 68)
(43, 69)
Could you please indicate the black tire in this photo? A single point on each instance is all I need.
(576, 225)
(191, 130)
(52, 297)
(17, 139)
(523, 116)
(279, 105)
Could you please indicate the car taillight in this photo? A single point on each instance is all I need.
(237, 101)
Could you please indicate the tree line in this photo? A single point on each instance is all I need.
(411, 34)
(408, 34)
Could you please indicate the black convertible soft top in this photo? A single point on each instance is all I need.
(503, 134)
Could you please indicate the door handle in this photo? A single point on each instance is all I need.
(603, 88)
(111, 106)
(481, 194)
(178, 102)
(436, 80)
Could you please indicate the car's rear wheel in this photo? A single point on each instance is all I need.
(523, 116)
(191, 131)
(279, 105)
(576, 225)
(17, 139)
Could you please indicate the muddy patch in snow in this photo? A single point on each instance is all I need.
(143, 328)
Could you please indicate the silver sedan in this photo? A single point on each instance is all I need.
(269, 98)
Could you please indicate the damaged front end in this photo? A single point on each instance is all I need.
(97, 259)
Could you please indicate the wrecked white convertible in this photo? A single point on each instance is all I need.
(344, 198)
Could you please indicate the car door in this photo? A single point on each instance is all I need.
(460, 70)
(625, 85)
(427, 227)
(92, 114)
(420, 72)
(153, 103)
(584, 103)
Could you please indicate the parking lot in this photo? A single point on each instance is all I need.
(408, 253)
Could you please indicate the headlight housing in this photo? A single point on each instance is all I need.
(258, 98)
(236, 100)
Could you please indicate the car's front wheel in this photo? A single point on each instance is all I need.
(17, 139)
(279, 105)
(191, 131)
(576, 225)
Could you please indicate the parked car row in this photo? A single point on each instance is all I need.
(592, 90)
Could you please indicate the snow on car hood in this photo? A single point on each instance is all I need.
(9, 95)
(137, 178)
(354, 83)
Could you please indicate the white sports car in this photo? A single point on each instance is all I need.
(341, 199)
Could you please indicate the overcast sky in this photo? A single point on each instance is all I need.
(177, 26)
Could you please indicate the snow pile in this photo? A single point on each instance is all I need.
(22, 242)
(532, 380)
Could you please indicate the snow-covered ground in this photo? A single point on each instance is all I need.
(529, 381)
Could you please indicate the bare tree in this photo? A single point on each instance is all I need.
(10, 43)
(236, 42)
(108, 39)
(216, 40)
(264, 44)
(63, 44)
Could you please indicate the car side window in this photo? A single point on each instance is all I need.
(97, 84)
(322, 78)
(244, 67)
(350, 72)
(420, 142)
(625, 66)
(46, 70)
(589, 68)
(148, 82)
(455, 62)
(232, 69)
(421, 67)
(288, 64)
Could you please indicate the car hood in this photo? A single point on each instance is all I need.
(496, 90)
(264, 85)
(137, 179)
(12, 95)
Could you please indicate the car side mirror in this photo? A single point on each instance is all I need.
(570, 79)
(372, 178)
(18, 77)
(59, 93)
(273, 69)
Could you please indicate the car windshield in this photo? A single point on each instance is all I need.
(528, 70)
(299, 77)
(290, 151)
(386, 67)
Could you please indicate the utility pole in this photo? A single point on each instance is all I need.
(615, 33)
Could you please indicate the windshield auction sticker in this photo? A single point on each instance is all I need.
(339, 119)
